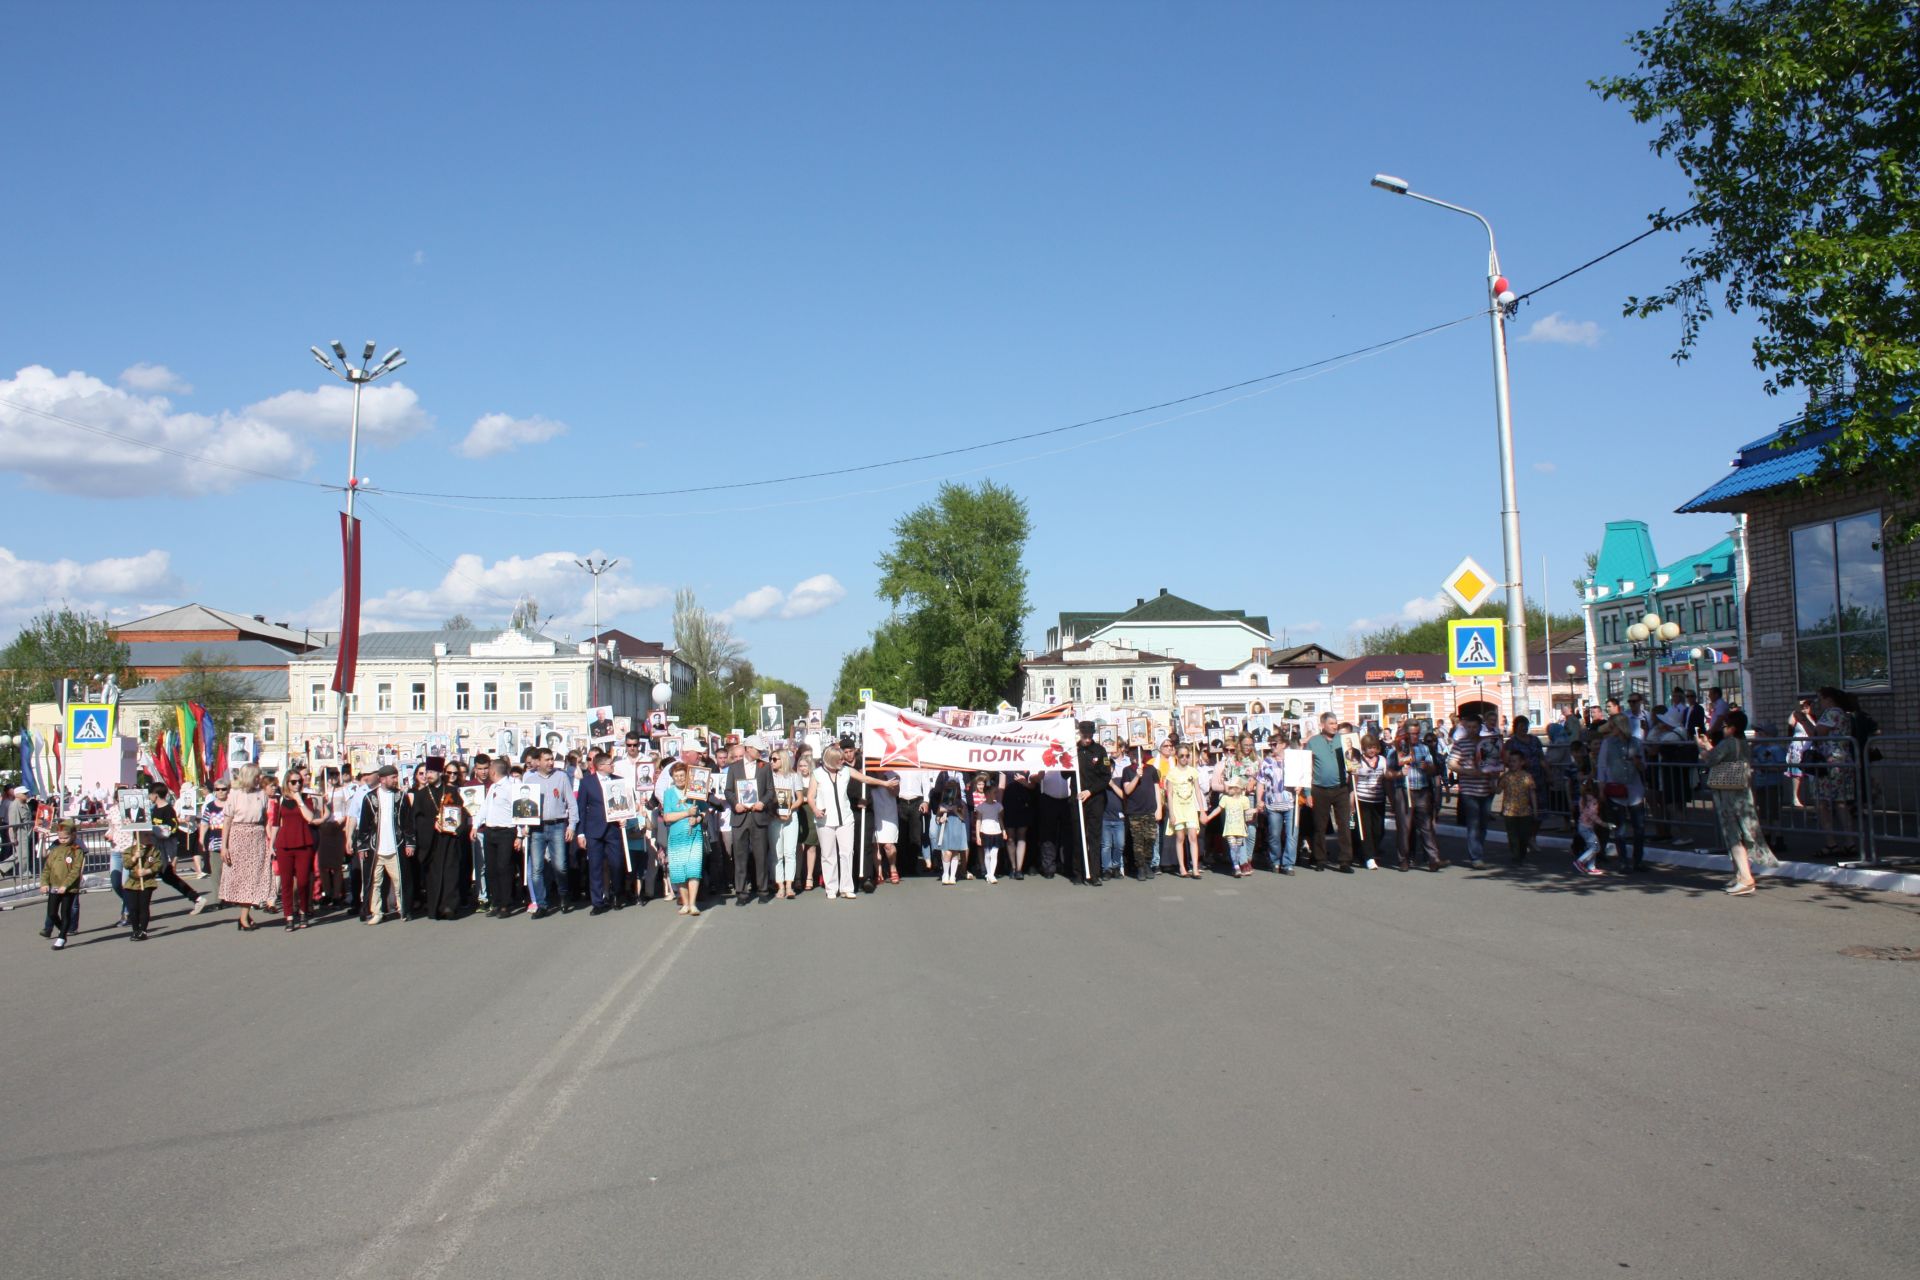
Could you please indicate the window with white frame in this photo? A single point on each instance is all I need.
(1840, 604)
(489, 695)
(524, 695)
(269, 730)
(1126, 689)
(353, 703)
(1073, 689)
(383, 696)
(317, 698)
(1099, 688)
(417, 696)
(562, 695)
(1046, 689)
(1153, 688)
(462, 696)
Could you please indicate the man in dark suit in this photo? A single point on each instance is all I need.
(749, 789)
(599, 839)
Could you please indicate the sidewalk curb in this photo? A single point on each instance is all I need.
(1811, 872)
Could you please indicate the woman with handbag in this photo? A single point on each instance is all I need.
(1730, 778)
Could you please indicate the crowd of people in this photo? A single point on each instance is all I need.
(539, 835)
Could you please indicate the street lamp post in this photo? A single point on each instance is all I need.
(1646, 635)
(355, 378)
(595, 568)
(1573, 699)
(1500, 297)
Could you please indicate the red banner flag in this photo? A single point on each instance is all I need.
(349, 658)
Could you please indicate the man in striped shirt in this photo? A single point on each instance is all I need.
(1475, 761)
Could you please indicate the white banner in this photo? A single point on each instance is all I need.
(895, 739)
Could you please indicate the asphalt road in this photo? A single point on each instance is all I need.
(1382, 1075)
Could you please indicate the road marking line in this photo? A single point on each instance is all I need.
(417, 1211)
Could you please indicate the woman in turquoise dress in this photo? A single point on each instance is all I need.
(685, 848)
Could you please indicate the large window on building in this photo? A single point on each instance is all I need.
(316, 698)
(1126, 689)
(1099, 688)
(1153, 688)
(1840, 604)
(489, 695)
(1046, 690)
(418, 696)
(383, 696)
(562, 695)
(525, 695)
(462, 696)
(1073, 689)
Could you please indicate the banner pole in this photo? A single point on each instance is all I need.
(1079, 810)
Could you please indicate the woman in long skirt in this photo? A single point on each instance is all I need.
(244, 851)
(1733, 801)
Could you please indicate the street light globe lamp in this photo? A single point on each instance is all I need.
(1637, 632)
(1669, 631)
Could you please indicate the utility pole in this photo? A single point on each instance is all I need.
(595, 568)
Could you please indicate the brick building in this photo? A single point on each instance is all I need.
(1830, 598)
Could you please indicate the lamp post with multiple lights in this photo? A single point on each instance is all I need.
(356, 378)
(594, 569)
(1501, 298)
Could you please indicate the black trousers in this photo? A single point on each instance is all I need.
(171, 878)
(63, 913)
(139, 909)
(443, 875)
(503, 866)
(749, 855)
(912, 842)
(1333, 806)
(1056, 817)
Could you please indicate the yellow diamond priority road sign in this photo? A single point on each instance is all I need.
(1469, 585)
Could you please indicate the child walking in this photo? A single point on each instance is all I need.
(987, 830)
(1519, 806)
(1591, 831)
(142, 862)
(60, 876)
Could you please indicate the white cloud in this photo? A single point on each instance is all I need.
(60, 456)
(27, 586)
(154, 379)
(499, 433)
(1546, 468)
(1555, 327)
(754, 604)
(1418, 609)
(821, 591)
(419, 257)
(389, 412)
(486, 592)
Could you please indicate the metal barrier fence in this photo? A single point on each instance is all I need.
(1856, 806)
(22, 869)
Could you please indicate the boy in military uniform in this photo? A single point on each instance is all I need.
(140, 878)
(60, 875)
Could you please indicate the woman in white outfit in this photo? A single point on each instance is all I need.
(833, 815)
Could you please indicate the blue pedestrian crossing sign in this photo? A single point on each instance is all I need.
(89, 725)
(1476, 647)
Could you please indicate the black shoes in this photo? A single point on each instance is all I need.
(599, 910)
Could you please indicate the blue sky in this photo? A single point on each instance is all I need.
(633, 247)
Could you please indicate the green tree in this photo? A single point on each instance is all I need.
(792, 698)
(55, 645)
(703, 640)
(955, 577)
(1431, 636)
(214, 684)
(1798, 126)
(882, 665)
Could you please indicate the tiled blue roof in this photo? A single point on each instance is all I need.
(1768, 470)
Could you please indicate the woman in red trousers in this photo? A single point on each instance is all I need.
(292, 819)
